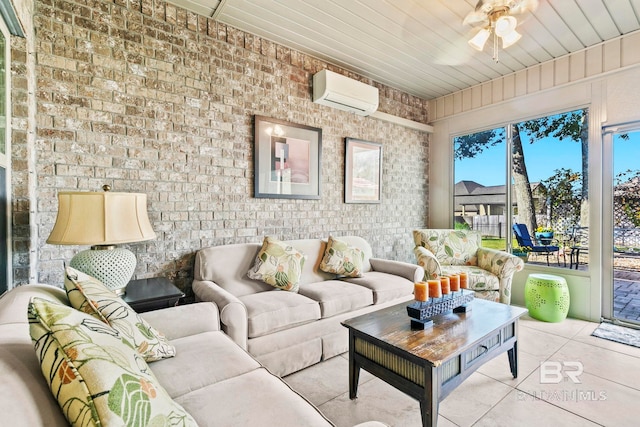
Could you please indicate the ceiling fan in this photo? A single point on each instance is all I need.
(496, 17)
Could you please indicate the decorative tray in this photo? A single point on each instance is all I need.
(452, 301)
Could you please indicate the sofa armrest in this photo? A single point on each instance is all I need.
(501, 263)
(233, 312)
(184, 320)
(428, 261)
(412, 272)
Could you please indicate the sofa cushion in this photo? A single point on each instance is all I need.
(97, 377)
(202, 359)
(342, 259)
(337, 296)
(385, 286)
(272, 311)
(279, 264)
(89, 295)
(257, 398)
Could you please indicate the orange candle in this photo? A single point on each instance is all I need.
(464, 280)
(454, 282)
(434, 288)
(421, 291)
(444, 285)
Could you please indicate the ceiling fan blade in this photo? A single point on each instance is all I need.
(475, 19)
(522, 6)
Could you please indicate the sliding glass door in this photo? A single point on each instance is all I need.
(621, 293)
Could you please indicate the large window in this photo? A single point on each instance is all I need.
(545, 160)
(5, 162)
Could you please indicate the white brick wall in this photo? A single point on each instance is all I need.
(148, 97)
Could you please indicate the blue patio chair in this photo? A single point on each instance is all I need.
(524, 240)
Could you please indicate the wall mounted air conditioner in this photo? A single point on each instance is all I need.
(343, 93)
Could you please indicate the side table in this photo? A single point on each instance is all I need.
(151, 294)
(547, 297)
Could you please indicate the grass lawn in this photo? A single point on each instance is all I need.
(496, 243)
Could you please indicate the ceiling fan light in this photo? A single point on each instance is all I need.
(478, 41)
(511, 38)
(505, 25)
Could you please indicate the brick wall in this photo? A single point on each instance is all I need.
(147, 97)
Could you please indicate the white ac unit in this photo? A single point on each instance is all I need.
(343, 93)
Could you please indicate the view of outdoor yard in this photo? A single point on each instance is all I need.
(549, 196)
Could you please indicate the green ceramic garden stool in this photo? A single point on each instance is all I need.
(547, 297)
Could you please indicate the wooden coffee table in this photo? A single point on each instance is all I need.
(429, 364)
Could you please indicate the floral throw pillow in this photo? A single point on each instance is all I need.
(278, 264)
(342, 259)
(95, 374)
(89, 295)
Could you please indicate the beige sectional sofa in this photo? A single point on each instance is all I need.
(215, 380)
(288, 331)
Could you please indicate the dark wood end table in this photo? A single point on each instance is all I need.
(151, 294)
(429, 364)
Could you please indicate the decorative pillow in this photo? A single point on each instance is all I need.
(89, 295)
(278, 264)
(341, 258)
(96, 376)
(451, 247)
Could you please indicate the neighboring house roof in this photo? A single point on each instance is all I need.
(471, 193)
(465, 187)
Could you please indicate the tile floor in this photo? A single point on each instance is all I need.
(608, 393)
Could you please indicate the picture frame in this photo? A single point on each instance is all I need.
(362, 171)
(287, 159)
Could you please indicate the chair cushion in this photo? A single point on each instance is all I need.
(337, 296)
(451, 247)
(96, 375)
(90, 296)
(479, 279)
(385, 286)
(279, 264)
(342, 259)
(276, 310)
(488, 295)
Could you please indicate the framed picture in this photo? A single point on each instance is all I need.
(362, 171)
(287, 159)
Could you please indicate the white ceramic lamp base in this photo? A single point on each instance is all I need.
(113, 267)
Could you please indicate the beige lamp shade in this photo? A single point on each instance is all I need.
(101, 218)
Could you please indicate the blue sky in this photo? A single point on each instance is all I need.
(543, 157)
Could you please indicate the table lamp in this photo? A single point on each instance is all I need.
(103, 220)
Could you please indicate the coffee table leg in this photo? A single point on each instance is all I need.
(354, 370)
(513, 359)
(431, 399)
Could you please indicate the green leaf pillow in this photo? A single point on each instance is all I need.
(343, 259)
(98, 378)
(89, 295)
(278, 264)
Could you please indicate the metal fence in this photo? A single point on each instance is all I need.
(493, 226)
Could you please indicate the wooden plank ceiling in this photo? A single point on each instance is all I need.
(420, 46)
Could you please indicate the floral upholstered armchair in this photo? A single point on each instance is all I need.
(447, 251)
